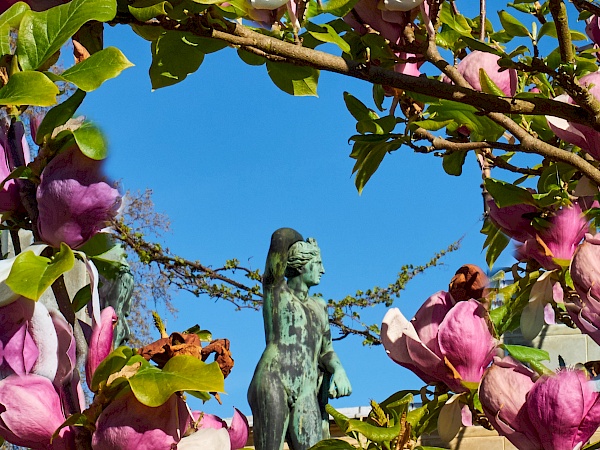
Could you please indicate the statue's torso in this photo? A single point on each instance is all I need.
(294, 347)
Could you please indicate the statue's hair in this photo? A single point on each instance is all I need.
(299, 255)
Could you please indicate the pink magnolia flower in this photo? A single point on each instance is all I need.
(556, 412)
(592, 29)
(101, 342)
(31, 412)
(238, 430)
(583, 137)
(585, 273)
(445, 342)
(367, 15)
(206, 439)
(28, 340)
(74, 200)
(14, 152)
(564, 410)
(502, 392)
(558, 241)
(470, 65)
(514, 220)
(127, 424)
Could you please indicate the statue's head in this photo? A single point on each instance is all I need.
(304, 258)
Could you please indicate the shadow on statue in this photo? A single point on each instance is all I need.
(298, 370)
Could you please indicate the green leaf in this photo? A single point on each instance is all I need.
(340, 419)
(295, 80)
(153, 387)
(59, 115)
(331, 36)
(31, 275)
(430, 124)
(368, 158)
(175, 55)
(42, 34)
(338, 8)
(452, 162)
(82, 298)
(12, 16)
(358, 109)
(250, 58)
(488, 86)
(495, 242)
(383, 125)
(549, 28)
(114, 362)
(507, 194)
(481, 127)
(373, 432)
(144, 10)
(204, 335)
(90, 73)
(10, 19)
(424, 419)
(29, 88)
(91, 141)
(475, 44)
(511, 25)
(457, 22)
(529, 355)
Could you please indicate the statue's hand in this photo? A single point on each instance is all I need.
(340, 384)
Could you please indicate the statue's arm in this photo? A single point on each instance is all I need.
(330, 362)
(274, 277)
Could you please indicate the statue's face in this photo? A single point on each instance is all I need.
(312, 271)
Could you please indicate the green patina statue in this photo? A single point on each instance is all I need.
(298, 369)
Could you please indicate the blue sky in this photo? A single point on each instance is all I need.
(230, 159)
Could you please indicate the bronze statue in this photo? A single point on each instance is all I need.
(298, 369)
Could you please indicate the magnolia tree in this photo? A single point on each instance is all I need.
(444, 83)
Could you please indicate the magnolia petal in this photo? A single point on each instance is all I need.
(396, 331)
(101, 342)
(74, 200)
(565, 131)
(450, 419)
(238, 430)
(428, 318)
(44, 335)
(466, 340)
(127, 424)
(210, 421)
(549, 315)
(94, 278)
(67, 357)
(556, 405)
(31, 411)
(502, 392)
(532, 319)
(206, 439)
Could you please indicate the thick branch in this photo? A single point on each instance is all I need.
(559, 14)
(241, 36)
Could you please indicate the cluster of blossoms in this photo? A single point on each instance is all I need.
(565, 242)
(40, 385)
(73, 199)
(551, 412)
(450, 343)
(40, 388)
(450, 339)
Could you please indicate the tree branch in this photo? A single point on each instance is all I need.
(240, 36)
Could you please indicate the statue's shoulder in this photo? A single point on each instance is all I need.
(319, 301)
